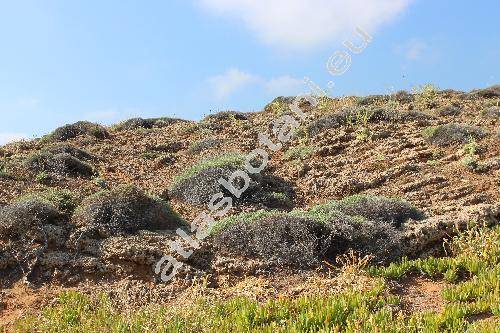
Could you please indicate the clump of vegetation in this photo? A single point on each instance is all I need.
(101, 182)
(3, 170)
(450, 134)
(403, 96)
(62, 199)
(80, 128)
(299, 152)
(373, 99)
(470, 162)
(227, 115)
(281, 240)
(148, 123)
(475, 255)
(61, 163)
(490, 92)
(233, 160)
(279, 106)
(471, 147)
(367, 224)
(123, 210)
(449, 110)
(491, 112)
(357, 117)
(377, 208)
(65, 148)
(203, 145)
(425, 96)
(413, 115)
(329, 121)
(24, 219)
(199, 183)
(43, 178)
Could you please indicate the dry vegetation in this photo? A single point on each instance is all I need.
(342, 232)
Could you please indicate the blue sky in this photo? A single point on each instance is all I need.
(104, 61)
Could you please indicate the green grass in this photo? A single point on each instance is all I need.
(229, 159)
(470, 161)
(429, 132)
(299, 153)
(475, 257)
(471, 147)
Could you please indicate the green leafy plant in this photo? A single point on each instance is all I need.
(425, 95)
(43, 177)
(299, 152)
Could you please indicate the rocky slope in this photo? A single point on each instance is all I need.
(93, 207)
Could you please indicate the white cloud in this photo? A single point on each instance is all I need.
(232, 80)
(304, 24)
(112, 115)
(414, 50)
(284, 86)
(10, 137)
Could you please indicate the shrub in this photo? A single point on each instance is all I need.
(303, 239)
(330, 121)
(470, 162)
(471, 147)
(227, 115)
(63, 200)
(377, 208)
(71, 150)
(490, 92)
(200, 182)
(125, 209)
(246, 217)
(449, 110)
(491, 112)
(358, 117)
(280, 105)
(299, 152)
(71, 131)
(147, 123)
(63, 163)
(279, 240)
(425, 95)
(43, 178)
(365, 224)
(24, 219)
(413, 115)
(403, 96)
(449, 134)
(202, 145)
(373, 99)
(3, 170)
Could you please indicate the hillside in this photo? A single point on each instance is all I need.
(365, 182)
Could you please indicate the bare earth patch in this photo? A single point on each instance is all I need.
(420, 294)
